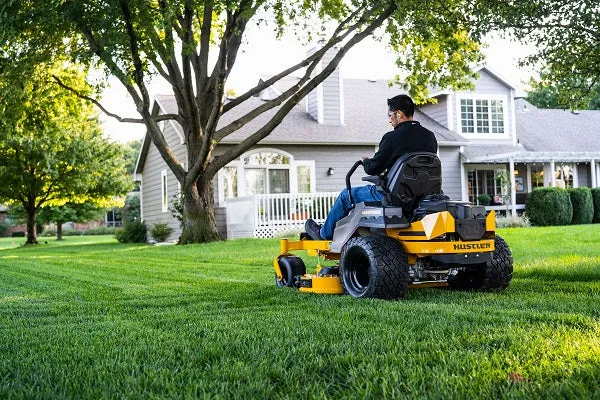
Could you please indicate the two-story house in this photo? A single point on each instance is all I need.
(298, 170)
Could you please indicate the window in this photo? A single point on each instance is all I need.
(563, 173)
(266, 171)
(482, 115)
(164, 191)
(484, 181)
(537, 176)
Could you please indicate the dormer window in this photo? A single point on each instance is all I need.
(483, 116)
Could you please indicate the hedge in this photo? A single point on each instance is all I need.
(596, 202)
(583, 207)
(548, 206)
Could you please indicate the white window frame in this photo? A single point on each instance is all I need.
(241, 175)
(164, 191)
(475, 97)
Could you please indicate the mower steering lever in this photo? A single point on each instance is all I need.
(348, 185)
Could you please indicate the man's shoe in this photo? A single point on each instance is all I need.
(313, 229)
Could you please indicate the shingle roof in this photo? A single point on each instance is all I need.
(543, 130)
(365, 119)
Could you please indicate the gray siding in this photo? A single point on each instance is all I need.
(332, 99)
(450, 158)
(438, 112)
(151, 183)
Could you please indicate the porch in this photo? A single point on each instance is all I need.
(271, 215)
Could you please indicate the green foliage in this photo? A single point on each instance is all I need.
(70, 212)
(51, 147)
(161, 231)
(564, 35)
(102, 230)
(546, 93)
(484, 199)
(206, 321)
(3, 228)
(131, 150)
(132, 232)
(596, 204)
(549, 206)
(583, 206)
(132, 210)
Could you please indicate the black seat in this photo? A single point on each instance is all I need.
(412, 177)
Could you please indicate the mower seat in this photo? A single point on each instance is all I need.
(412, 177)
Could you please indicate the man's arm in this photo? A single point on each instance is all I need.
(381, 159)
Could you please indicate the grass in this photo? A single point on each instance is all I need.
(91, 318)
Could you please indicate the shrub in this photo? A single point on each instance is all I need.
(583, 207)
(18, 234)
(161, 231)
(484, 199)
(512, 222)
(132, 232)
(549, 206)
(596, 202)
(3, 228)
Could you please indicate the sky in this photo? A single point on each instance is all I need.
(261, 55)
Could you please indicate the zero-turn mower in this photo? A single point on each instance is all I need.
(414, 237)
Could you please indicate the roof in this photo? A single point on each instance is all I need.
(365, 119)
(551, 130)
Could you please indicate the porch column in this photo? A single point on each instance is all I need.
(552, 174)
(513, 192)
(593, 172)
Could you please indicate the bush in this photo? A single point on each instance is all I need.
(161, 231)
(132, 232)
(549, 206)
(18, 234)
(3, 228)
(484, 199)
(512, 222)
(583, 207)
(596, 203)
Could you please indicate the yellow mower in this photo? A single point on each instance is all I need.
(415, 237)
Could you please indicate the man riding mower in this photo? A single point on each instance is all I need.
(414, 237)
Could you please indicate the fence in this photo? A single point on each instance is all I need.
(269, 215)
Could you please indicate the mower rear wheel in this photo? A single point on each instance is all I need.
(374, 266)
(290, 266)
(491, 276)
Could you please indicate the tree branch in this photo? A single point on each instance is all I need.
(246, 144)
(162, 117)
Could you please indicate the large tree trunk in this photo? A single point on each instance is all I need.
(199, 224)
(31, 225)
(59, 230)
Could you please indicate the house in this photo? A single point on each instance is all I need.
(298, 170)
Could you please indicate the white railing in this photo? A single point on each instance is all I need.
(269, 215)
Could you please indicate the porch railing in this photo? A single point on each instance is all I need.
(269, 215)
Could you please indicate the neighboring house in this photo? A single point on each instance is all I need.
(300, 167)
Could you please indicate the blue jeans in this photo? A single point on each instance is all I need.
(342, 206)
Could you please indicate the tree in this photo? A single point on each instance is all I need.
(545, 93)
(69, 212)
(436, 41)
(51, 148)
(566, 36)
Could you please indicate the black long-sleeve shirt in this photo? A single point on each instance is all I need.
(407, 137)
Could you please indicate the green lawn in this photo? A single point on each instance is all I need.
(91, 318)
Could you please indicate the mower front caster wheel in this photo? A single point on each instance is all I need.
(290, 266)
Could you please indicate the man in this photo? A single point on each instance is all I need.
(408, 136)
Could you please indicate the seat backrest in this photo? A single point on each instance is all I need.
(413, 176)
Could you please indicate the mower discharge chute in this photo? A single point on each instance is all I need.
(415, 237)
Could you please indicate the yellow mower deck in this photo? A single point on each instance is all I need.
(423, 238)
